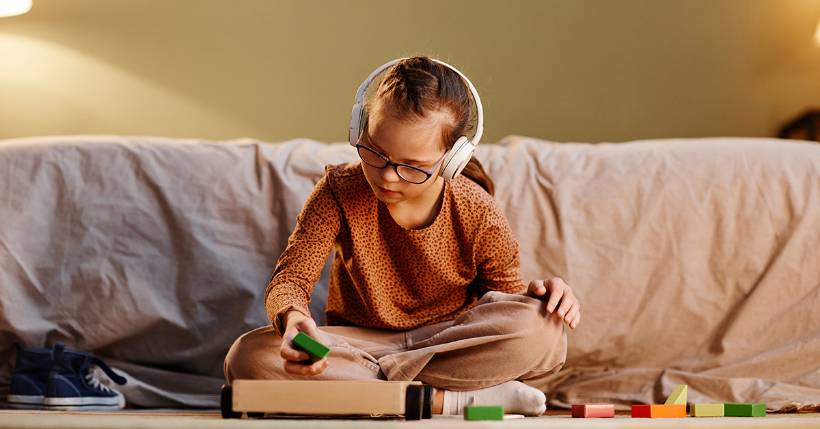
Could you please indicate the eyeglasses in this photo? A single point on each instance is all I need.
(408, 173)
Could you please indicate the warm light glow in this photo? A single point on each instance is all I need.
(817, 34)
(14, 7)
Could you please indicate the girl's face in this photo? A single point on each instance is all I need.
(417, 143)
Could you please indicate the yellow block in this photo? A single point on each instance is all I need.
(707, 410)
(678, 396)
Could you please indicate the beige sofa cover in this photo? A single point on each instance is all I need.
(696, 260)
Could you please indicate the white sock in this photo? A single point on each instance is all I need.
(515, 396)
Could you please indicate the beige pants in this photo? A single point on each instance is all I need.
(504, 337)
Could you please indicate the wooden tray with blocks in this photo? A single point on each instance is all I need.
(257, 398)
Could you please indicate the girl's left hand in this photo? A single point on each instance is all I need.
(562, 302)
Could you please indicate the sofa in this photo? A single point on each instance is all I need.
(696, 260)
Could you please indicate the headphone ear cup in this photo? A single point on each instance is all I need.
(457, 158)
(355, 129)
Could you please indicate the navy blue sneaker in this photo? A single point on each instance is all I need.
(30, 377)
(73, 383)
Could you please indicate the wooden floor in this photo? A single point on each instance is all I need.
(161, 419)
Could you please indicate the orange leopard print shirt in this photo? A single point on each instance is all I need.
(386, 276)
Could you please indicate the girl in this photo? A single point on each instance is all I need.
(425, 281)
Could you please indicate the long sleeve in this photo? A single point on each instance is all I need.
(497, 257)
(300, 264)
(384, 275)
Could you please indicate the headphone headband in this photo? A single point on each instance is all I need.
(358, 106)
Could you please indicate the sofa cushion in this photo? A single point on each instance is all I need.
(695, 259)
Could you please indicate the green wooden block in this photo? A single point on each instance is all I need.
(483, 412)
(744, 410)
(315, 349)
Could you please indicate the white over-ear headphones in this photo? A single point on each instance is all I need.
(457, 157)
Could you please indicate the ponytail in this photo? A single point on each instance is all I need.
(475, 172)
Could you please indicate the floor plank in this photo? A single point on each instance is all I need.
(178, 419)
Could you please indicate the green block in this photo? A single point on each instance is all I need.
(483, 412)
(744, 410)
(315, 349)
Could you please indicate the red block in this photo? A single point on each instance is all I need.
(593, 411)
(642, 411)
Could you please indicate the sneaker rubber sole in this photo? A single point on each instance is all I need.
(84, 403)
(25, 401)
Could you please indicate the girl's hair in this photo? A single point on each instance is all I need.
(414, 86)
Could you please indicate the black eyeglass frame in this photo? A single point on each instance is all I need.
(396, 165)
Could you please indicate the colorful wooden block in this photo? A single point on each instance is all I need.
(707, 410)
(658, 411)
(643, 411)
(588, 411)
(678, 396)
(483, 412)
(661, 411)
(731, 409)
(316, 350)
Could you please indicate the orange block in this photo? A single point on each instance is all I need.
(659, 411)
(668, 410)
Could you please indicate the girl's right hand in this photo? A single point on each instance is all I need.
(296, 361)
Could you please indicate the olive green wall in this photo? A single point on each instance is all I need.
(574, 70)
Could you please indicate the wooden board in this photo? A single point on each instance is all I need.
(320, 397)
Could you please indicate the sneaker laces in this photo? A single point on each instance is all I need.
(89, 360)
(93, 380)
(116, 378)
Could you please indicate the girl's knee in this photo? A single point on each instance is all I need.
(536, 336)
(522, 315)
(253, 355)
